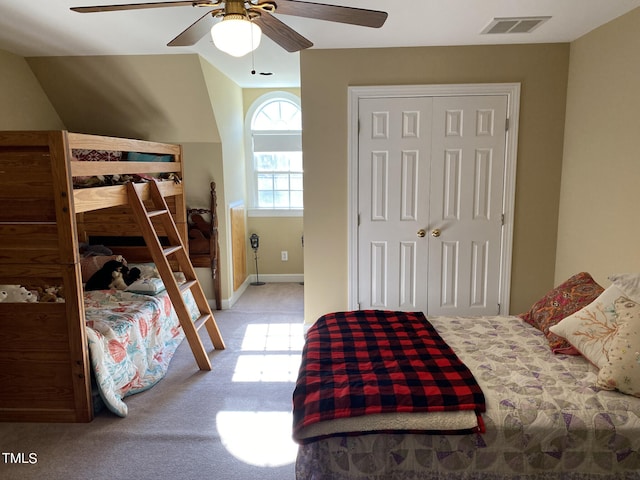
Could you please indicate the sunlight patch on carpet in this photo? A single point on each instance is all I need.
(267, 368)
(262, 439)
(270, 337)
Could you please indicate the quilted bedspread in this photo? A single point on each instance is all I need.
(545, 420)
(371, 362)
(132, 339)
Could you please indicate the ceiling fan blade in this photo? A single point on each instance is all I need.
(197, 30)
(136, 6)
(281, 33)
(332, 13)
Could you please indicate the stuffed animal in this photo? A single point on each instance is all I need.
(17, 294)
(51, 294)
(113, 274)
(3, 295)
(37, 291)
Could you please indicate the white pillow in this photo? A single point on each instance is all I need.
(146, 286)
(629, 283)
(150, 282)
(147, 270)
(591, 329)
(622, 371)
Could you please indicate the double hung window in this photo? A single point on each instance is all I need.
(275, 168)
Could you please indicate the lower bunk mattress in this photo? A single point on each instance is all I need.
(544, 418)
(132, 339)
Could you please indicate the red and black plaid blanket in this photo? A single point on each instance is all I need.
(371, 361)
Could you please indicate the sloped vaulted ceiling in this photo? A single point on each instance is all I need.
(150, 97)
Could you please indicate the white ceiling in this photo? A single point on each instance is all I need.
(48, 28)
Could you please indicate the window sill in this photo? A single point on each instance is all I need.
(275, 212)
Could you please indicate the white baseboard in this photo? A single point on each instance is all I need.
(278, 278)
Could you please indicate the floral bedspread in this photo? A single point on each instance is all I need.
(132, 339)
(545, 420)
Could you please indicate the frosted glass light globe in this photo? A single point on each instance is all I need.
(236, 36)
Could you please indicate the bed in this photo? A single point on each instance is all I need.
(61, 191)
(545, 415)
(132, 338)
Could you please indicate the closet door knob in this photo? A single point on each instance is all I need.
(435, 233)
(421, 233)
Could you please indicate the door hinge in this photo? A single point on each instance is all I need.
(358, 219)
(506, 124)
(502, 219)
(499, 308)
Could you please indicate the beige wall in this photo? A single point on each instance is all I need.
(325, 78)
(226, 99)
(250, 95)
(23, 103)
(150, 97)
(276, 234)
(599, 224)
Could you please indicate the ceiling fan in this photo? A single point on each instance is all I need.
(257, 13)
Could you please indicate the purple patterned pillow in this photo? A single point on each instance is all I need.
(562, 301)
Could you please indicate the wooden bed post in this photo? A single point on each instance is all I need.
(215, 248)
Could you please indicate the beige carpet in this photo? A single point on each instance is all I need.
(231, 423)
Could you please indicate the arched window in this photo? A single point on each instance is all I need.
(275, 150)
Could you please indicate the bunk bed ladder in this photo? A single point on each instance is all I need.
(176, 253)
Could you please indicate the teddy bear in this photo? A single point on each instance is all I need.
(49, 294)
(52, 294)
(17, 293)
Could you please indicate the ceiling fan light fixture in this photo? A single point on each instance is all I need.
(236, 35)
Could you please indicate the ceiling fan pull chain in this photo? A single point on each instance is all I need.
(253, 64)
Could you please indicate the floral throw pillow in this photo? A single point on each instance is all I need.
(592, 329)
(564, 300)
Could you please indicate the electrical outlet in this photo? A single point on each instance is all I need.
(284, 255)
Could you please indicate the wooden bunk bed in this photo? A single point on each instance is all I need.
(44, 358)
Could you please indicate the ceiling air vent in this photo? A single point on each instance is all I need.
(514, 24)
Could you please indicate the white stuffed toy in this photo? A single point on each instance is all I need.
(16, 293)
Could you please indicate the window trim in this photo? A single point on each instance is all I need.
(275, 212)
(254, 211)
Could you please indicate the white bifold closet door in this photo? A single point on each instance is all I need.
(430, 203)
